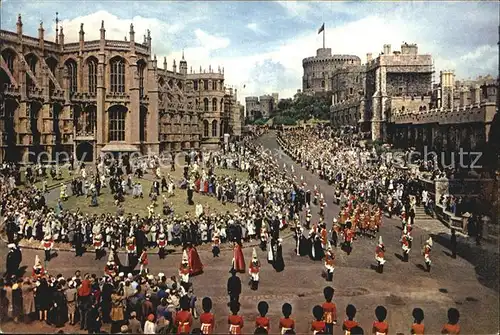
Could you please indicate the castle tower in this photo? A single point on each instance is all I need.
(183, 65)
(447, 86)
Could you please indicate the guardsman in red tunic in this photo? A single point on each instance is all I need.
(183, 318)
(110, 268)
(131, 248)
(427, 254)
(254, 270)
(379, 255)
(406, 244)
(380, 327)
(286, 323)
(329, 264)
(329, 309)
(349, 324)
(38, 270)
(373, 226)
(323, 236)
(318, 325)
(98, 246)
(184, 269)
(348, 237)
(234, 320)
(162, 243)
(262, 321)
(452, 327)
(47, 245)
(207, 319)
(143, 260)
(417, 328)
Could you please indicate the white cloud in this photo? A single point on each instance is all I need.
(255, 28)
(206, 47)
(117, 28)
(296, 8)
(211, 42)
(478, 53)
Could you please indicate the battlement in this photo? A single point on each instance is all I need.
(338, 59)
(482, 113)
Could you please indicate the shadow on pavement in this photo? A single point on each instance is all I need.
(485, 261)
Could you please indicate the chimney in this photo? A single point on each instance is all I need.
(476, 95)
(82, 36)
(41, 35)
(387, 49)
(463, 96)
(19, 25)
(368, 57)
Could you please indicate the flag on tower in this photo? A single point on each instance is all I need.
(321, 28)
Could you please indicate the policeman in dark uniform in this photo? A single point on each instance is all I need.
(233, 287)
(14, 258)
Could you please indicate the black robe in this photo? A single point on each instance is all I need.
(14, 259)
(304, 245)
(318, 253)
(279, 263)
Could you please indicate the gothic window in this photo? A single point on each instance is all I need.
(195, 85)
(323, 83)
(205, 84)
(214, 128)
(73, 75)
(205, 103)
(214, 105)
(205, 128)
(141, 66)
(117, 75)
(117, 116)
(197, 103)
(92, 67)
(221, 105)
(214, 85)
(143, 124)
(351, 91)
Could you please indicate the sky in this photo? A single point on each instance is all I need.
(261, 44)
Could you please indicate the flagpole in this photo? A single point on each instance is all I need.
(323, 36)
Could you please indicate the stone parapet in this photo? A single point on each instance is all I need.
(465, 114)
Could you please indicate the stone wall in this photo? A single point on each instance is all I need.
(408, 84)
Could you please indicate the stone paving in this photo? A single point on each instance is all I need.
(469, 282)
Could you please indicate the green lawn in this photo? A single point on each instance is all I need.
(50, 182)
(131, 205)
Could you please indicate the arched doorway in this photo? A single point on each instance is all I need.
(84, 152)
